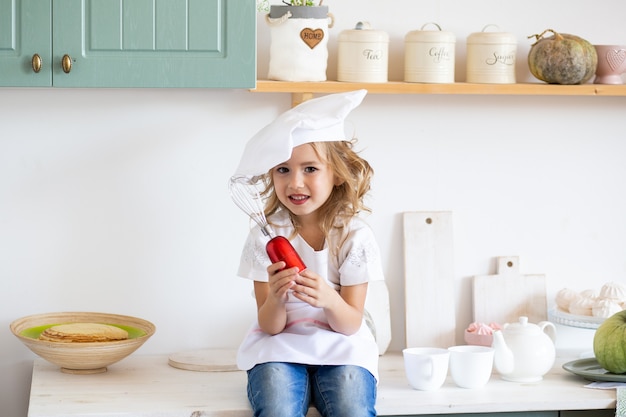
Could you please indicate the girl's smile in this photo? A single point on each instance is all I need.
(298, 199)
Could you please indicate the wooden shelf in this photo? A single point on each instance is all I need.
(304, 90)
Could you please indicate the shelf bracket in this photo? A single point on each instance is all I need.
(297, 98)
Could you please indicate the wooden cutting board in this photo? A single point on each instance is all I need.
(205, 360)
(429, 279)
(507, 295)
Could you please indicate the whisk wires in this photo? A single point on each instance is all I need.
(244, 192)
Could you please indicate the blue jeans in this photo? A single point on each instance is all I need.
(278, 389)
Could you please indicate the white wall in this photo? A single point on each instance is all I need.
(116, 200)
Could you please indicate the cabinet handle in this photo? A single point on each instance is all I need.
(66, 63)
(36, 63)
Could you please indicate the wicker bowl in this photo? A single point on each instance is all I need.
(82, 358)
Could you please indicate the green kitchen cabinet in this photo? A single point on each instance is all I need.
(511, 414)
(588, 413)
(581, 413)
(25, 40)
(128, 43)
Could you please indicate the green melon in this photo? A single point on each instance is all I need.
(609, 343)
(562, 58)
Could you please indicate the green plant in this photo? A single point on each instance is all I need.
(264, 5)
(299, 2)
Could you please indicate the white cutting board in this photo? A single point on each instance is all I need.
(378, 310)
(507, 295)
(429, 279)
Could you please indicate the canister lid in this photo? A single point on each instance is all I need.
(363, 32)
(491, 37)
(432, 35)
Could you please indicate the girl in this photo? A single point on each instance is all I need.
(310, 344)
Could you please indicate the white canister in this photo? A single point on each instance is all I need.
(429, 56)
(363, 55)
(491, 57)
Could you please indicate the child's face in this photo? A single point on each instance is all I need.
(304, 182)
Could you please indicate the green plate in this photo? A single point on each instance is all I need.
(591, 370)
(34, 332)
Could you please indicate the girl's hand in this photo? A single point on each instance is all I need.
(314, 290)
(271, 297)
(280, 281)
(344, 308)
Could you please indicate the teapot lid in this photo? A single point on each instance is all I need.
(522, 327)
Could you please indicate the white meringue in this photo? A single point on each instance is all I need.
(581, 306)
(613, 291)
(590, 293)
(564, 297)
(605, 308)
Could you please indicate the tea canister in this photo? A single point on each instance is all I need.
(363, 55)
(491, 57)
(429, 55)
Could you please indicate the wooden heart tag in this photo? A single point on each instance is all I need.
(312, 37)
(615, 58)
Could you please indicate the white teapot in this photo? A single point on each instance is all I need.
(524, 352)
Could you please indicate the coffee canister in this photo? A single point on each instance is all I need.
(362, 55)
(429, 55)
(491, 57)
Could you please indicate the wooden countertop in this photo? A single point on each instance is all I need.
(147, 386)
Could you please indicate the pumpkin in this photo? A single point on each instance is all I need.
(562, 58)
(609, 343)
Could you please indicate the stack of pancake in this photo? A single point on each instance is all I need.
(83, 333)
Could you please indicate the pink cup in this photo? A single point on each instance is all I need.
(611, 64)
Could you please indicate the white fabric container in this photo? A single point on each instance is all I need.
(491, 57)
(298, 42)
(429, 56)
(363, 55)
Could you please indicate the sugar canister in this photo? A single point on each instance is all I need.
(491, 57)
(363, 55)
(429, 55)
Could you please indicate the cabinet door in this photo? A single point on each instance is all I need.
(511, 414)
(25, 31)
(154, 43)
(588, 413)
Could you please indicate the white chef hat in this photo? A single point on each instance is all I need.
(317, 120)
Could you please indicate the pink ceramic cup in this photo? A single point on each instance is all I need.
(611, 64)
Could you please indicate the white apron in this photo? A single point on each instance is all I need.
(307, 338)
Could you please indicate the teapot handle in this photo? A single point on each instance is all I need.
(549, 329)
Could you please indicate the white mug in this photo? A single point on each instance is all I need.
(470, 365)
(426, 367)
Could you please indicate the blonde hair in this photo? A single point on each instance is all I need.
(352, 172)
